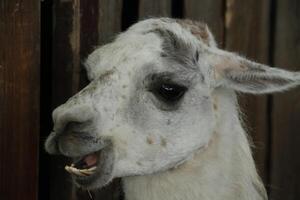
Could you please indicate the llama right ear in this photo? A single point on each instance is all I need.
(240, 74)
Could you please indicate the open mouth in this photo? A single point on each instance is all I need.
(93, 170)
(85, 166)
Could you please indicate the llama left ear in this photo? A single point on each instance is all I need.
(240, 74)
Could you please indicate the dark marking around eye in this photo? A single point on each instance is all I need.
(165, 89)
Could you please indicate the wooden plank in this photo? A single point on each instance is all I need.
(89, 34)
(210, 12)
(110, 18)
(285, 164)
(154, 8)
(65, 80)
(19, 98)
(247, 32)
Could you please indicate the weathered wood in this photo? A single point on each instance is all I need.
(154, 8)
(285, 163)
(247, 32)
(65, 81)
(210, 12)
(89, 33)
(19, 98)
(110, 18)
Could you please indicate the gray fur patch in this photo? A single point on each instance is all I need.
(176, 49)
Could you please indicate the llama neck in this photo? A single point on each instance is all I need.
(223, 170)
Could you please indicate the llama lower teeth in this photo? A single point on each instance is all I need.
(80, 172)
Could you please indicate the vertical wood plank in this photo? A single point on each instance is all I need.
(210, 12)
(19, 98)
(285, 164)
(247, 32)
(154, 8)
(89, 33)
(65, 82)
(110, 18)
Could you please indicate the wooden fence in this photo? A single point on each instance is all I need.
(38, 75)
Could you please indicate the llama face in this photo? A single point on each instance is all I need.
(136, 113)
(149, 105)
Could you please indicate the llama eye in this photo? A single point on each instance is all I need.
(170, 92)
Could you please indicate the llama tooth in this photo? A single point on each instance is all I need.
(67, 168)
(88, 171)
(77, 171)
(74, 170)
(92, 168)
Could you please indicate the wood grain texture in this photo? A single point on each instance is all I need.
(285, 164)
(247, 32)
(110, 18)
(210, 12)
(154, 8)
(65, 81)
(89, 33)
(19, 98)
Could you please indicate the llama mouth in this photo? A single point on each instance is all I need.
(85, 166)
(93, 170)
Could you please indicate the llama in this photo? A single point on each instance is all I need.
(161, 112)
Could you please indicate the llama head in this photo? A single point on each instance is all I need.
(149, 105)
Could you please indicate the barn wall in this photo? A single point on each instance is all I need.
(19, 98)
(267, 31)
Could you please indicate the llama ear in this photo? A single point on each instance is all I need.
(199, 30)
(243, 75)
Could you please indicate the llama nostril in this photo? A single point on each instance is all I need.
(77, 127)
(70, 117)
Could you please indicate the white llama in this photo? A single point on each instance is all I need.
(161, 112)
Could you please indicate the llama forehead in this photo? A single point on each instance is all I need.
(148, 41)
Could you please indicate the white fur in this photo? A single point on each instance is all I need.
(224, 169)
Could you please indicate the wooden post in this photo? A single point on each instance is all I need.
(19, 98)
(110, 18)
(154, 8)
(285, 142)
